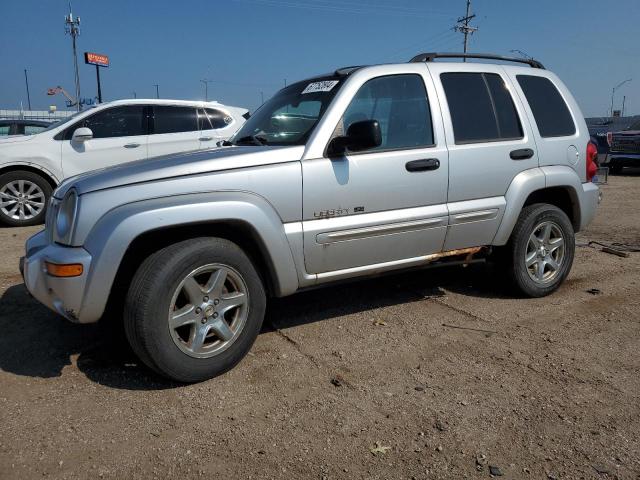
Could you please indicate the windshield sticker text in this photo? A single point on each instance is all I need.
(325, 86)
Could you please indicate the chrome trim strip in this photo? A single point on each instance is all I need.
(379, 230)
(474, 216)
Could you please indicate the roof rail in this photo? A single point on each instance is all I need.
(429, 57)
(347, 70)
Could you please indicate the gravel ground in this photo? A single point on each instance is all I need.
(430, 374)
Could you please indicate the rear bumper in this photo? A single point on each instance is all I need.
(62, 295)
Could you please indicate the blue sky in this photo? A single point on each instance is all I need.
(249, 46)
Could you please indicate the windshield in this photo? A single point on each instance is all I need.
(289, 117)
(64, 121)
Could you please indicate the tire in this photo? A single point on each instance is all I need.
(24, 197)
(169, 284)
(540, 278)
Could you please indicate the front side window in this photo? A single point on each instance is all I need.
(549, 108)
(481, 108)
(125, 121)
(399, 104)
(169, 119)
(31, 129)
(290, 116)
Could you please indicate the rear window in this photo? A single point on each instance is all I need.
(481, 107)
(549, 108)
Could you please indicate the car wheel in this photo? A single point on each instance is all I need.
(24, 197)
(540, 251)
(194, 309)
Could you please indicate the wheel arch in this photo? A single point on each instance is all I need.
(44, 173)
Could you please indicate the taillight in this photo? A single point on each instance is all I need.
(592, 158)
(609, 138)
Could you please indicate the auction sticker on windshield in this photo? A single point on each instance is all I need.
(324, 86)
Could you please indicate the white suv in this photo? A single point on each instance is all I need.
(116, 132)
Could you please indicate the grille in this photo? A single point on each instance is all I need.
(626, 145)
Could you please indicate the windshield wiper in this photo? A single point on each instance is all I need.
(258, 140)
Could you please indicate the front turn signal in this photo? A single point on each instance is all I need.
(64, 270)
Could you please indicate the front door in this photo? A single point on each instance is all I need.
(387, 203)
(119, 136)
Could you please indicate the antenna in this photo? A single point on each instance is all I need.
(462, 25)
(72, 27)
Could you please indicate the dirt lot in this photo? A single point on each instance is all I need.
(439, 366)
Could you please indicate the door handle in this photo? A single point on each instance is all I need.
(522, 154)
(132, 145)
(205, 139)
(422, 165)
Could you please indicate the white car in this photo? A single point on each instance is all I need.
(31, 166)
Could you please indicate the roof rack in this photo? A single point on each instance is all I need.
(429, 57)
(347, 70)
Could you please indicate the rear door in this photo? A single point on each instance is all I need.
(387, 203)
(174, 129)
(119, 136)
(490, 142)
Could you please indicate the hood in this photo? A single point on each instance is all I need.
(15, 139)
(171, 166)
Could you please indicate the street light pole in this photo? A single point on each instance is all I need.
(157, 91)
(206, 88)
(613, 92)
(26, 81)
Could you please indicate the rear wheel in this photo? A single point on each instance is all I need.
(194, 309)
(540, 252)
(24, 197)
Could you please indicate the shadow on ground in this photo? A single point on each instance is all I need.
(38, 343)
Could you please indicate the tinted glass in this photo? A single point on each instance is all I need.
(481, 108)
(218, 119)
(31, 129)
(167, 119)
(124, 121)
(289, 117)
(203, 120)
(4, 130)
(399, 104)
(549, 108)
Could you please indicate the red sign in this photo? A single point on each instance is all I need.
(96, 59)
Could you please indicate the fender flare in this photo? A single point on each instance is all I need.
(112, 235)
(529, 181)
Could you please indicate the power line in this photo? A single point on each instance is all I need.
(462, 25)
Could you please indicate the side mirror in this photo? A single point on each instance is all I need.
(360, 136)
(82, 134)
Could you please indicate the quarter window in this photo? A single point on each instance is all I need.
(549, 108)
(218, 119)
(169, 119)
(399, 104)
(481, 108)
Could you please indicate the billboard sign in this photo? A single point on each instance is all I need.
(97, 59)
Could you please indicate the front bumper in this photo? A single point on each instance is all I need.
(624, 159)
(62, 295)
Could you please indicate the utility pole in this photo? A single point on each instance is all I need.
(135, 95)
(613, 92)
(26, 81)
(157, 91)
(72, 27)
(624, 99)
(462, 25)
(206, 88)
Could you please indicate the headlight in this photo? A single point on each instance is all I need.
(66, 218)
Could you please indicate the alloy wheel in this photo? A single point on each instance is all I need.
(545, 252)
(21, 200)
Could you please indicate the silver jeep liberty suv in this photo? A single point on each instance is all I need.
(361, 171)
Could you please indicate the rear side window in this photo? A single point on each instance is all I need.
(481, 108)
(218, 119)
(549, 108)
(168, 119)
(31, 129)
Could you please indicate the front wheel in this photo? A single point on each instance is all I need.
(194, 309)
(540, 251)
(24, 197)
